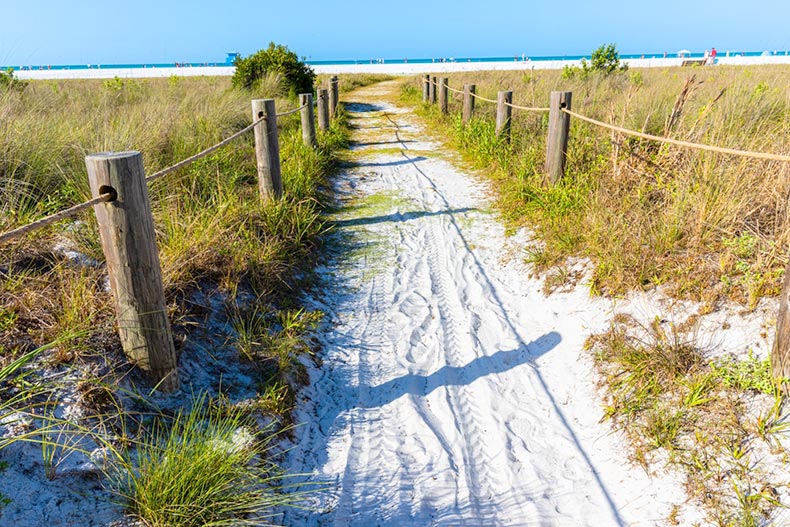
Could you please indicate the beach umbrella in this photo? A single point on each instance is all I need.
(684, 52)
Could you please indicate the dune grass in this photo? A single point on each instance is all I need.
(213, 234)
(206, 467)
(719, 422)
(697, 225)
(706, 226)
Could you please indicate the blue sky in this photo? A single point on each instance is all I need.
(111, 31)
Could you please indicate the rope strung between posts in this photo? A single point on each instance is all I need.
(43, 222)
(476, 96)
(527, 109)
(204, 153)
(291, 112)
(455, 91)
(697, 146)
(107, 197)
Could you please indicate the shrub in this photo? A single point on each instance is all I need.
(8, 81)
(606, 60)
(276, 59)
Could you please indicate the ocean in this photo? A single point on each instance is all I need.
(434, 60)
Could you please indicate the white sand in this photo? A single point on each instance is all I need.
(452, 391)
(390, 69)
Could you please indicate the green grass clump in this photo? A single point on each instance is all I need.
(4, 500)
(205, 468)
(667, 397)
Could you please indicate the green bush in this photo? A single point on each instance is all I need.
(277, 59)
(604, 60)
(8, 81)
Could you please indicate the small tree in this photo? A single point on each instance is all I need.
(298, 76)
(606, 60)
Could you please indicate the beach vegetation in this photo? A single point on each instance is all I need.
(277, 59)
(219, 246)
(206, 467)
(604, 61)
(9, 81)
(696, 414)
(700, 225)
(648, 216)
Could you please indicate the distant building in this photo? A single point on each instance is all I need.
(231, 58)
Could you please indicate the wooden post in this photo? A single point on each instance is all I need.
(267, 150)
(333, 96)
(469, 102)
(308, 120)
(432, 91)
(128, 240)
(426, 88)
(780, 354)
(557, 143)
(323, 109)
(443, 94)
(503, 114)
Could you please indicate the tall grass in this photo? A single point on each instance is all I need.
(706, 226)
(213, 233)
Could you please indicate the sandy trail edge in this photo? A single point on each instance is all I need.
(452, 391)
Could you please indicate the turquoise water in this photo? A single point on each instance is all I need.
(379, 61)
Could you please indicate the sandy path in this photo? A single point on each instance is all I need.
(451, 391)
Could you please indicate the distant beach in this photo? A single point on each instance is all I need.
(402, 67)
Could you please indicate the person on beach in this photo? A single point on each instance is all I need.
(713, 55)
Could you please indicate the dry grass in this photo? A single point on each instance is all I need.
(702, 226)
(213, 234)
(707, 226)
(678, 408)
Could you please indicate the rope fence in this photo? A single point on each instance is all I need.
(527, 108)
(128, 236)
(291, 112)
(202, 154)
(110, 196)
(559, 125)
(481, 98)
(54, 218)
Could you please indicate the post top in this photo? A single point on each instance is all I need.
(113, 155)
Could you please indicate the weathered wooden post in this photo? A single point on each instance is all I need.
(557, 143)
(432, 91)
(128, 240)
(443, 94)
(333, 96)
(504, 98)
(426, 88)
(308, 120)
(469, 102)
(780, 354)
(267, 150)
(323, 109)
